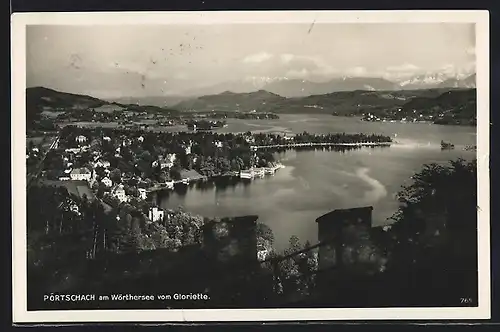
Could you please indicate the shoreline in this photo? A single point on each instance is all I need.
(292, 145)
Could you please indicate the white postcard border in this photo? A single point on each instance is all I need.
(19, 22)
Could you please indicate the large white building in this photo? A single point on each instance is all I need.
(156, 214)
(81, 139)
(81, 174)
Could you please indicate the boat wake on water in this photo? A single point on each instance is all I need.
(413, 144)
(377, 191)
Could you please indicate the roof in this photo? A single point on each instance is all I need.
(191, 174)
(83, 170)
(118, 187)
(339, 212)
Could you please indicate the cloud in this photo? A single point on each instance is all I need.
(286, 58)
(405, 67)
(302, 66)
(401, 71)
(461, 71)
(258, 57)
(356, 71)
(302, 73)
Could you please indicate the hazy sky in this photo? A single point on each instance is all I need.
(112, 61)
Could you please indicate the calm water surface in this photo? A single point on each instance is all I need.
(316, 182)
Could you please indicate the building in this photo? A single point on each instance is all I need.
(81, 139)
(165, 164)
(81, 174)
(102, 163)
(119, 193)
(106, 138)
(247, 174)
(140, 139)
(188, 149)
(170, 157)
(142, 193)
(338, 229)
(73, 150)
(156, 214)
(107, 182)
(250, 139)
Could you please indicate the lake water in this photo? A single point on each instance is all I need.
(316, 182)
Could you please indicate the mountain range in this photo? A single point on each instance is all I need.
(292, 88)
(338, 103)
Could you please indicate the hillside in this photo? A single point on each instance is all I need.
(39, 99)
(158, 101)
(355, 102)
(452, 107)
(260, 101)
(339, 103)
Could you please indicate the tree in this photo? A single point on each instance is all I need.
(435, 230)
(175, 174)
(116, 175)
(146, 156)
(265, 236)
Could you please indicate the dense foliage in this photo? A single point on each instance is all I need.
(431, 248)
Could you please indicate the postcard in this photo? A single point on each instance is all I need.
(250, 166)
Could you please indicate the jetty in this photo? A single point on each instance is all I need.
(260, 172)
(296, 145)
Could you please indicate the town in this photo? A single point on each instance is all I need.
(129, 164)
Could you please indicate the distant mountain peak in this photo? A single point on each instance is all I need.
(227, 92)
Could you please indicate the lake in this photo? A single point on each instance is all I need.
(316, 182)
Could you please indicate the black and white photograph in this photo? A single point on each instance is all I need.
(253, 166)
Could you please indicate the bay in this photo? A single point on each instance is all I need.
(316, 182)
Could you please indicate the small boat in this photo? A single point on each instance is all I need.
(447, 146)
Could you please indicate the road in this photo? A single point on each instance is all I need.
(32, 177)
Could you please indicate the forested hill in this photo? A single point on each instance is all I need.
(346, 103)
(452, 107)
(262, 101)
(39, 99)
